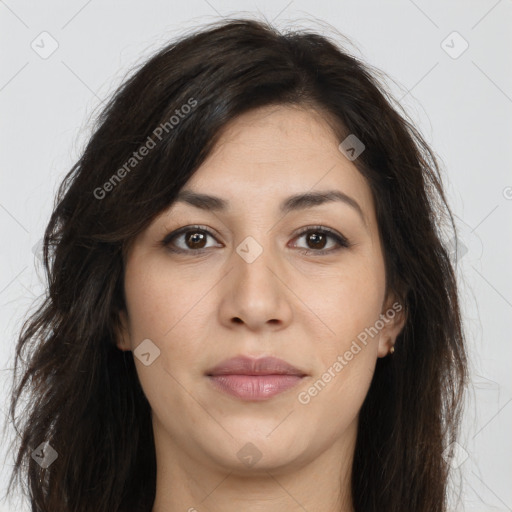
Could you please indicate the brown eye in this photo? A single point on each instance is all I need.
(188, 239)
(195, 239)
(317, 238)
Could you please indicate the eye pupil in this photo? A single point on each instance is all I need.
(195, 237)
(318, 240)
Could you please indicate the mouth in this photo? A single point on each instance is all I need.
(254, 379)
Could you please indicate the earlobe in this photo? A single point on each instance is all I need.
(122, 333)
(393, 317)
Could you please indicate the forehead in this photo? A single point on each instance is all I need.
(277, 151)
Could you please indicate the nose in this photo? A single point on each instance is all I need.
(254, 293)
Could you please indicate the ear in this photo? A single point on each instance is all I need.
(123, 333)
(393, 318)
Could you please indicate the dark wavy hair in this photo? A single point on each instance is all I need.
(83, 396)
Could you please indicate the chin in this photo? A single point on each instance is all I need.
(253, 450)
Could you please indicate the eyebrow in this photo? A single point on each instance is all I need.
(292, 203)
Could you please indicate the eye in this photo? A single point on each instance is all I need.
(193, 239)
(317, 237)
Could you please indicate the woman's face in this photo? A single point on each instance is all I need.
(253, 282)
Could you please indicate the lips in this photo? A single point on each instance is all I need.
(254, 379)
(242, 365)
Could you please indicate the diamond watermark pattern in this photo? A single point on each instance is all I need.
(351, 147)
(249, 454)
(44, 455)
(456, 249)
(147, 352)
(249, 249)
(454, 45)
(37, 250)
(44, 45)
(458, 456)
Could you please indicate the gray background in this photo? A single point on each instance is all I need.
(461, 101)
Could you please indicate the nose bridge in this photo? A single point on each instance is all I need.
(254, 255)
(254, 294)
(250, 249)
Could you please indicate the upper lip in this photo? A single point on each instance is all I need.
(243, 365)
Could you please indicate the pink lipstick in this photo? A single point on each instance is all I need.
(254, 379)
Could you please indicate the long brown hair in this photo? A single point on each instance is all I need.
(84, 397)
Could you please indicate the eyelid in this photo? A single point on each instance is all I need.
(342, 241)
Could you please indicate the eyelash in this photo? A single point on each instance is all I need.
(339, 239)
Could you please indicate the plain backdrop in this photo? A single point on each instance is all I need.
(449, 65)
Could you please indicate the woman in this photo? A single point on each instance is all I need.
(249, 305)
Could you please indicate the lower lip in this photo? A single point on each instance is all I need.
(254, 387)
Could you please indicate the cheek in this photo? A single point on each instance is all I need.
(347, 356)
(169, 308)
(348, 301)
(350, 305)
(158, 298)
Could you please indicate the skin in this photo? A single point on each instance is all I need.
(307, 309)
